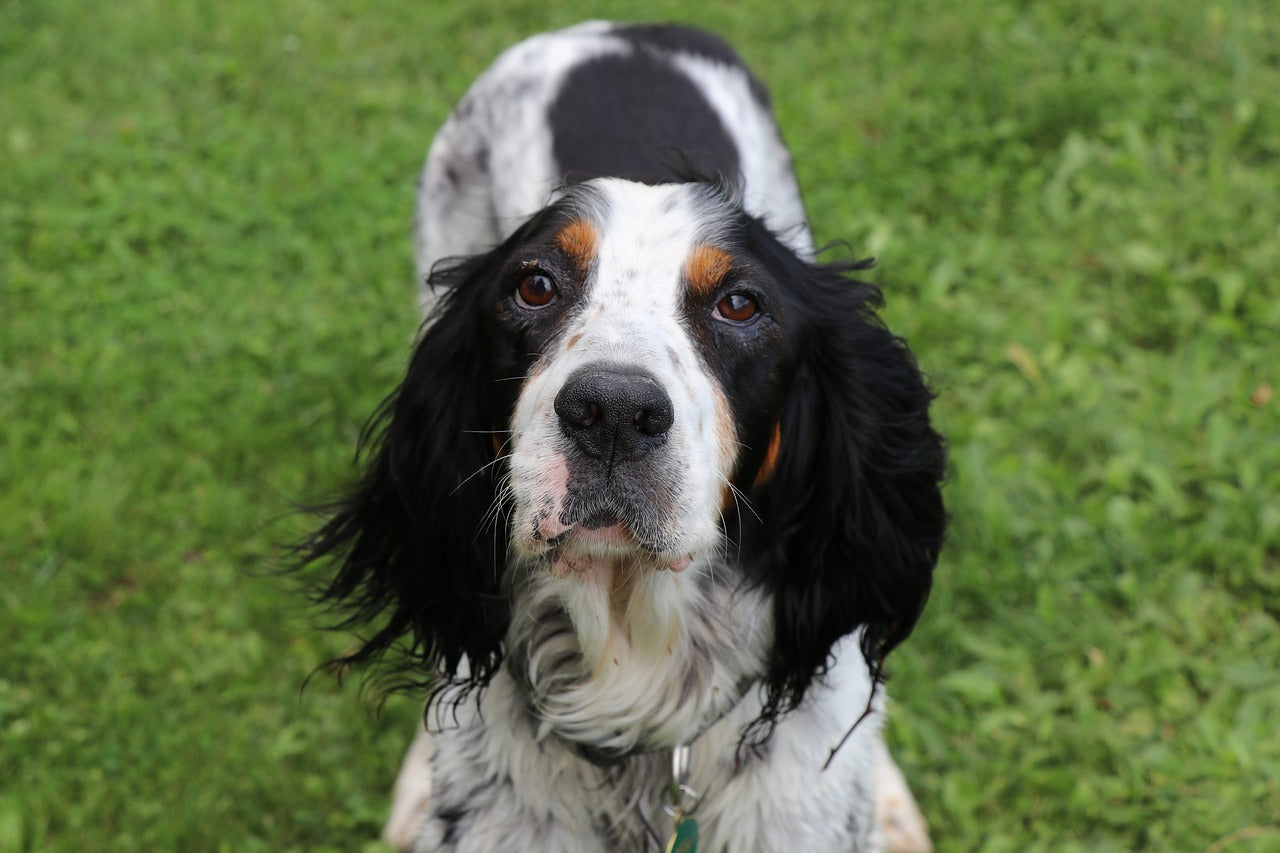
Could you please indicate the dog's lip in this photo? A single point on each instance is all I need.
(597, 535)
(582, 545)
(680, 563)
(602, 518)
(611, 541)
(616, 535)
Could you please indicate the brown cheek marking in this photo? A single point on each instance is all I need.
(573, 341)
(727, 444)
(726, 499)
(705, 268)
(579, 240)
(770, 459)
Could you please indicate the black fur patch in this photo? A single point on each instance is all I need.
(677, 39)
(634, 116)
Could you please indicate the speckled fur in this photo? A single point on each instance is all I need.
(610, 657)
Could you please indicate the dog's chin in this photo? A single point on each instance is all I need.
(585, 551)
(591, 543)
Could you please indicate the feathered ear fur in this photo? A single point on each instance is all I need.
(419, 538)
(852, 516)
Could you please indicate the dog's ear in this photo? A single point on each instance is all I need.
(852, 515)
(418, 540)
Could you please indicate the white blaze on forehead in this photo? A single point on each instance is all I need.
(645, 236)
(636, 305)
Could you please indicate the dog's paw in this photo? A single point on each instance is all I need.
(902, 826)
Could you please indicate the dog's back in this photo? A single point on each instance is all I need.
(648, 103)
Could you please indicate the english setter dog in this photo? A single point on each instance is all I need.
(658, 492)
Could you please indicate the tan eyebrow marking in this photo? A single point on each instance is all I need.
(578, 240)
(705, 268)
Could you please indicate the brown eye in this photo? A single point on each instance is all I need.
(536, 290)
(737, 308)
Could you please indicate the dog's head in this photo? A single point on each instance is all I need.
(653, 359)
(644, 380)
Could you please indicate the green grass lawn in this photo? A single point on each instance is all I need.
(205, 287)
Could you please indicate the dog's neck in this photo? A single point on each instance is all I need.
(629, 660)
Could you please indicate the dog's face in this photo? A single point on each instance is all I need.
(639, 405)
(653, 351)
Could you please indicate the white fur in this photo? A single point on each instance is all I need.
(782, 799)
(653, 676)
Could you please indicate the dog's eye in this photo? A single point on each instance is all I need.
(536, 290)
(737, 308)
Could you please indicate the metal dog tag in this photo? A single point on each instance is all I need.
(685, 837)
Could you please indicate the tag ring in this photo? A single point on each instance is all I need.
(680, 800)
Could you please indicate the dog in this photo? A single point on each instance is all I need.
(658, 492)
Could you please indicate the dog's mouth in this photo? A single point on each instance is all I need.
(597, 517)
(582, 550)
(577, 524)
(582, 543)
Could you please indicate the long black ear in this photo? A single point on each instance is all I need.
(853, 519)
(418, 539)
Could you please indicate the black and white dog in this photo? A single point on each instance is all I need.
(655, 485)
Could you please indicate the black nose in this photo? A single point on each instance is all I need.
(614, 413)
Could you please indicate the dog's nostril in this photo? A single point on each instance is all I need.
(582, 414)
(654, 421)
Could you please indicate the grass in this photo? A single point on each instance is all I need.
(205, 287)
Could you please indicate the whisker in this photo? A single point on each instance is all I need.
(486, 466)
(501, 498)
(739, 500)
(740, 496)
